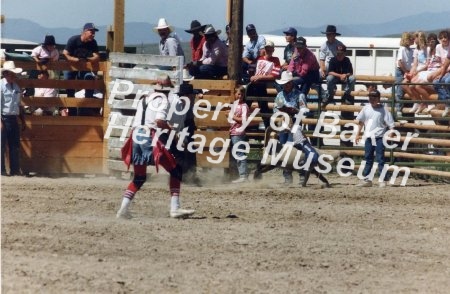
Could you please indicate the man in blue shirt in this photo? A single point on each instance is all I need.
(252, 51)
(11, 110)
(82, 47)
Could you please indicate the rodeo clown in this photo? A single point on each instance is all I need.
(150, 121)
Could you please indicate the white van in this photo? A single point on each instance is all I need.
(369, 55)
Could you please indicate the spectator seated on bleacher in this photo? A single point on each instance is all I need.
(267, 70)
(340, 71)
(304, 67)
(45, 92)
(251, 53)
(213, 64)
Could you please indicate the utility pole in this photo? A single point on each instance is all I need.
(119, 25)
(115, 34)
(235, 20)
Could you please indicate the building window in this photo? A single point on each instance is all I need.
(384, 53)
(363, 52)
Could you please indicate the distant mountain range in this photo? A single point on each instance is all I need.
(137, 33)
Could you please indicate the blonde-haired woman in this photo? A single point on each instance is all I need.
(434, 62)
(419, 64)
(404, 64)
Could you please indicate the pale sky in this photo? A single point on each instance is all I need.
(266, 15)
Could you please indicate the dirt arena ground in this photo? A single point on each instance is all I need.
(61, 236)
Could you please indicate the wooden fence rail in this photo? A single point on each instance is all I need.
(55, 145)
(66, 145)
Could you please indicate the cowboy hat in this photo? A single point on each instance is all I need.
(286, 77)
(10, 66)
(186, 76)
(185, 89)
(49, 40)
(331, 30)
(164, 81)
(162, 24)
(195, 27)
(209, 30)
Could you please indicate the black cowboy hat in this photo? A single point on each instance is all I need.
(49, 40)
(195, 27)
(331, 30)
(186, 89)
(210, 30)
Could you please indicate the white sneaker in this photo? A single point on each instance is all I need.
(181, 213)
(446, 110)
(124, 214)
(382, 184)
(365, 183)
(240, 180)
(429, 108)
(422, 106)
(414, 108)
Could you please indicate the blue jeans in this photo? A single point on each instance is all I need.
(285, 137)
(89, 93)
(11, 136)
(241, 164)
(209, 71)
(79, 75)
(398, 89)
(307, 149)
(332, 81)
(443, 90)
(369, 151)
(304, 83)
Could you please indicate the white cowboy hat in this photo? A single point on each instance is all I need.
(10, 66)
(186, 76)
(162, 24)
(286, 77)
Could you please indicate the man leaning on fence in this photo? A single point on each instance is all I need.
(82, 47)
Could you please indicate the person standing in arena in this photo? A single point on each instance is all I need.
(291, 101)
(182, 118)
(151, 133)
(240, 112)
(11, 111)
(375, 119)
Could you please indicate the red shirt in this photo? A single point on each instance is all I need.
(197, 48)
(302, 64)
